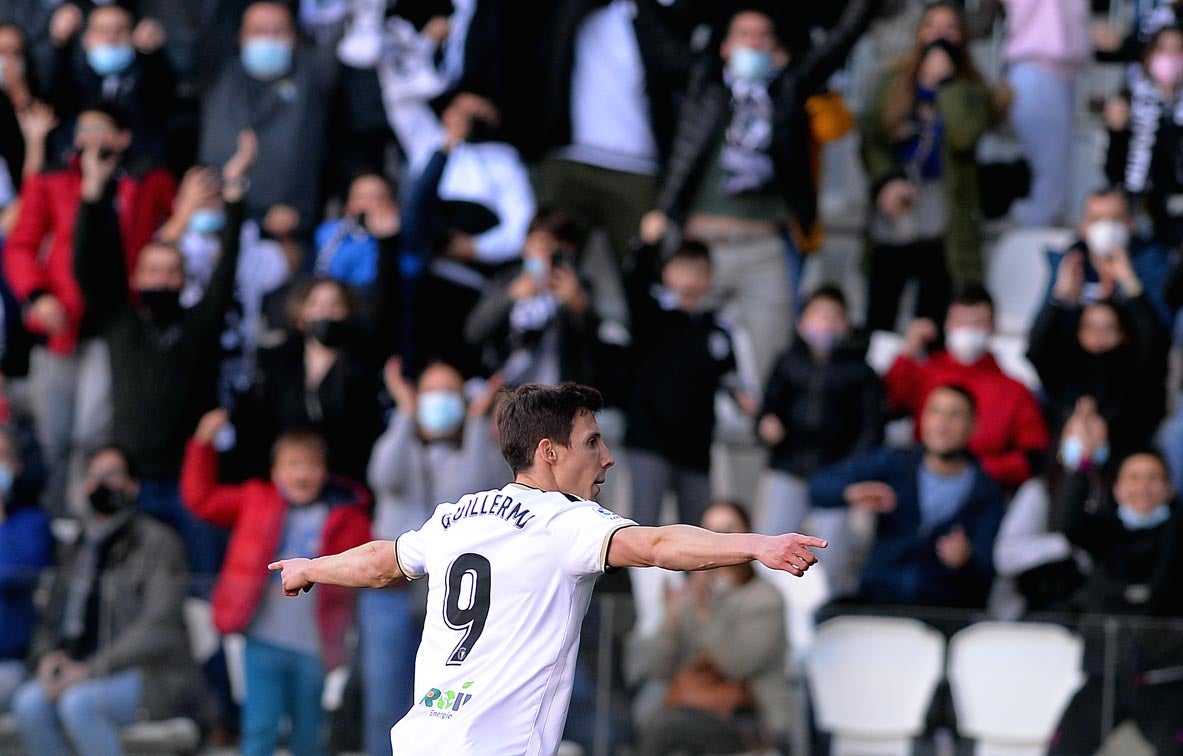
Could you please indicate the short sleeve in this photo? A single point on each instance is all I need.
(583, 534)
(411, 549)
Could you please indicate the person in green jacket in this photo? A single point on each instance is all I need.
(920, 134)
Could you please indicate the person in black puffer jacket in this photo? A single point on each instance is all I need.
(1135, 538)
(822, 403)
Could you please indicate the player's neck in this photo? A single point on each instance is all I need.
(543, 481)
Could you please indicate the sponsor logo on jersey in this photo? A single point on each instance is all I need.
(607, 514)
(495, 504)
(445, 703)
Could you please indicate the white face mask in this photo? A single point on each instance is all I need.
(1105, 235)
(967, 345)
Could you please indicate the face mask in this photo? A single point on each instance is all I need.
(534, 266)
(819, 339)
(967, 345)
(1072, 454)
(163, 304)
(105, 501)
(266, 58)
(107, 60)
(440, 413)
(1134, 520)
(1105, 235)
(481, 131)
(207, 220)
(750, 65)
(6, 480)
(330, 333)
(1167, 70)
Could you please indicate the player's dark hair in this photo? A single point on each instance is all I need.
(300, 438)
(532, 412)
(961, 391)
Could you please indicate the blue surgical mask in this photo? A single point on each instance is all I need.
(1072, 452)
(207, 220)
(1134, 520)
(440, 413)
(107, 60)
(747, 64)
(267, 58)
(6, 479)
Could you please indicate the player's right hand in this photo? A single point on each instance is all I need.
(790, 553)
(293, 575)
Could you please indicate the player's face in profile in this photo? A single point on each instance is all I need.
(581, 467)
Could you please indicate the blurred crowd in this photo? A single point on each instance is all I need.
(334, 229)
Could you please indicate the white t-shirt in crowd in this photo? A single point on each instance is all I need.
(510, 573)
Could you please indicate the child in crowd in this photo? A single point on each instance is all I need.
(300, 512)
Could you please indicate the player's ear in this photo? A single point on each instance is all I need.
(546, 450)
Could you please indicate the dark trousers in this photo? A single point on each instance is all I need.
(687, 731)
(890, 269)
(1156, 709)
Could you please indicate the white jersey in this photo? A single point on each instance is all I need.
(511, 573)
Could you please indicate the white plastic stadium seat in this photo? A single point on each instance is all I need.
(872, 680)
(1011, 683)
(1017, 274)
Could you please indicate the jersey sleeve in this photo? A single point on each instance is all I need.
(583, 534)
(411, 549)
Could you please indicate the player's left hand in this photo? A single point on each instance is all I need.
(293, 574)
(790, 553)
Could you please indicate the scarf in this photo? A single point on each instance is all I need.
(84, 580)
(1147, 108)
(744, 157)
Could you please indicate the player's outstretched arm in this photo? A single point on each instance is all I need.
(371, 565)
(685, 547)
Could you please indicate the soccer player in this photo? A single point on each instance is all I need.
(511, 573)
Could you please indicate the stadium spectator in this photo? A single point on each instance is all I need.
(1144, 134)
(477, 204)
(163, 357)
(111, 645)
(610, 73)
(920, 132)
(299, 512)
(1010, 441)
(1133, 535)
(740, 167)
(1046, 48)
(1113, 350)
(26, 548)
(345, 248)
(112, 59)
(722, 651)
(435, 449)
(323, 376)
(17, 97)
(682, 352)
(937, 512)
(1038, 567)
(70, 375)
(278, 89)
(535, 322)
(822, 403)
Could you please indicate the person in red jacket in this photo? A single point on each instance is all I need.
(70, 374)
(300, 512)
(1011, 438)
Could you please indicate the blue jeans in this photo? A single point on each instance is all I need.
(85, 719)
(1043, 114)
(281, 682)
(204, 543)
(389, 639)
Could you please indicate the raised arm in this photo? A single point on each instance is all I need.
(371, 565)
(685, 547)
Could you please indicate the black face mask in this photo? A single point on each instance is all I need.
(162, 304)
(331, 333)
(481, 131)
(105, 501)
